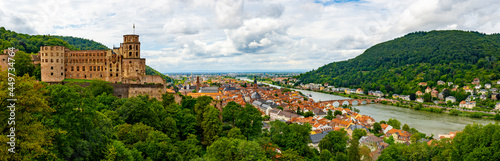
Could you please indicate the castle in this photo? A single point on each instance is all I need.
(122, 66)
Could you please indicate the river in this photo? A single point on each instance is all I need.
(425, 122)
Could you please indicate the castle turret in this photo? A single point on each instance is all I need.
(52, 60)
(131, 46)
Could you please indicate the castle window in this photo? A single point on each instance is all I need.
(51, 54)
(90, 75)
(51, 73)
(57, 60)
(111, 75)
(51, 60)
(98, 68)
(136, 47)
(61, 68)
(101, 75)
(85, 76)
(77, 68)
(130, 62)
(94, 68)
(129, 53)
(137, 54)
(83, 68)
(130, 47)
(72, 68)
(117, 74)
(57, 54)
(61, 74)
(51, 68)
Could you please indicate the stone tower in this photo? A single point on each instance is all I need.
(52, 61)
(131, 46)
(197, 83)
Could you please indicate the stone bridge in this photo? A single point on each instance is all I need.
(350, 101)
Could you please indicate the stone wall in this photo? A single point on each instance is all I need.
(4, 60)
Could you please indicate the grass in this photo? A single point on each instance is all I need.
(81, 80)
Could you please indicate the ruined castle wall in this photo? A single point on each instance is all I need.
(86, 64)
(4, 60)
(154, 91)
(153, 79)
(133, 70)
(52, 63)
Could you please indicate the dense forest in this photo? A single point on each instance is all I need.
(400, 64)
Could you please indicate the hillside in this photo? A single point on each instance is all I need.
(151, 71)
(451, 56)
(32, 43)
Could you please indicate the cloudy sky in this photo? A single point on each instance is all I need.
(221, 35)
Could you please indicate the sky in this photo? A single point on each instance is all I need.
(236, 35)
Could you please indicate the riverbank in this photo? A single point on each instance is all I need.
(420, 107)
(426, 122)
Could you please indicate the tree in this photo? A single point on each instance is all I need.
(394, 123)
(158, 146)
(234, 149)
(413, 96)
(293, 136)
(230, 112)
(497, 117)
(329, 115)
(23, 64)
(201, 106)
(211, 125)
(406, 127)
(167, 99)
(353, 151)
(358, 133)
(189, 148)
(377, 127)
(98, 87)
(335, 141)
(279, 107)
(308, 114)
(337, 112)
(249, 120)
(34, 138)
(325, 155)
(299, 112)
(235, 133)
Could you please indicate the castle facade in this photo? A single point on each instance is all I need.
(121, 65)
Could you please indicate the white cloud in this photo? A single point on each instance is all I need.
(183, 35)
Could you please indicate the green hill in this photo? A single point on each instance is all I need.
(151, 71)
(399, 64)
(32, 43)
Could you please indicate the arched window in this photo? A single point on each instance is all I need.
(130, 47)
(129, 53)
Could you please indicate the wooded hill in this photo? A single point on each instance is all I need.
(400, 64)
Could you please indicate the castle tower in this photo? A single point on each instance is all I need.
(131, 46)
(197, 83)
(52, 61)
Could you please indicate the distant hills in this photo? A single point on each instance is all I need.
(451, 56)
(31, 44)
